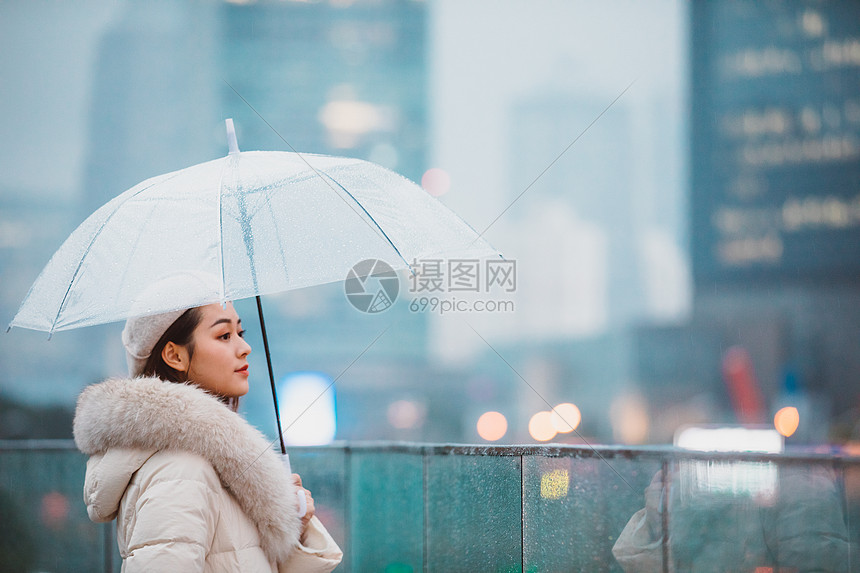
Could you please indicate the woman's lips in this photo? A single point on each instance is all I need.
(243, 370)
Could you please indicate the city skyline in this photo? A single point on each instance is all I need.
(124, 128)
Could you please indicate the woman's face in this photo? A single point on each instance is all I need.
(219, 362)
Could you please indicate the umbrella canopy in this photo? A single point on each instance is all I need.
(260, 221)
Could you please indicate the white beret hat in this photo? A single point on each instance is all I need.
(143, 330)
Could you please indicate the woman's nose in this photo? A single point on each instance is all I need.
(244, 347)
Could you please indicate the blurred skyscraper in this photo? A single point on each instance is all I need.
(154, 106)
(585, 233)
(774, 196)
(583, 227)
(341, 78)
(776, 143)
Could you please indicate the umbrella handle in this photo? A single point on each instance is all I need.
(300, 495)
(303, 503)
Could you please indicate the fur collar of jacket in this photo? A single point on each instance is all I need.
(151, 414)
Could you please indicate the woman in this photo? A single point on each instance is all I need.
(798, 526)
(192, 485)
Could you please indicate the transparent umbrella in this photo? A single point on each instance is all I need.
(260, 221)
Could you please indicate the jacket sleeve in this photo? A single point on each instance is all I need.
(806, 530)
(174, 518)
(318, 553)
(637, 550)
(639, 547)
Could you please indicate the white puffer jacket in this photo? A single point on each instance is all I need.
(193, 486)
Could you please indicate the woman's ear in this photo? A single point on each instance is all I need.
(175, 356)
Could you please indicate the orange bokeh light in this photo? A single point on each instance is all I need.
(565, 418)
(540, 426)
(492, 426)
(786, 420)
(628, 415)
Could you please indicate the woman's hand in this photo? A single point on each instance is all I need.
(297, 479)
(656, 499)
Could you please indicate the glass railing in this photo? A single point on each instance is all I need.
(403, 507)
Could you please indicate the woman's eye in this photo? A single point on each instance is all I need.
(241, 334)
(225, 336)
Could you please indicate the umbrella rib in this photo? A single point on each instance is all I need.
(278, 236)
(89, 246)
(323, 175)
(319, 173)
(369, 216)
(131, 254)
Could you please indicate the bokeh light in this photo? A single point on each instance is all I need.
(554, 484)
(565, 418)
(540, 426)
(628, 415)
(729, 439)
(406, 414)
(307, 406)
(347, 120)
(492, 426)
(436, 181)
(786, 420)
(54, 509)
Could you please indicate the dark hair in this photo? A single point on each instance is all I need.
(181, 332)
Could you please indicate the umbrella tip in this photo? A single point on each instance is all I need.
(232, 144)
